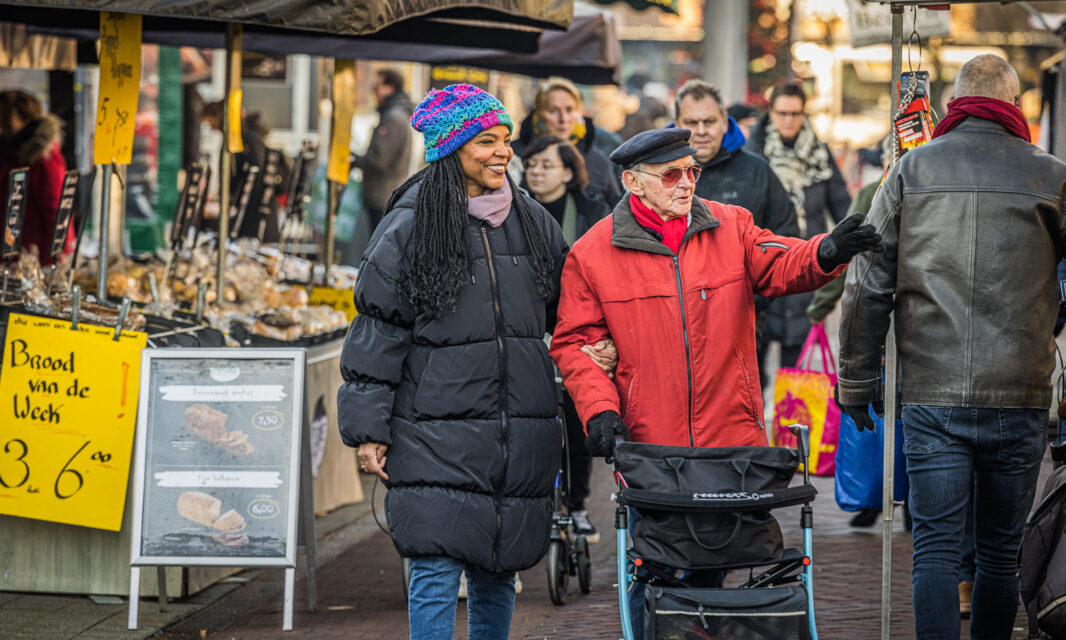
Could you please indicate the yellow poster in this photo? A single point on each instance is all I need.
(339, 299)
(120, 80)
(341, 131)
(68, 406)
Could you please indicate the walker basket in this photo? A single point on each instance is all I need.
(778, 613)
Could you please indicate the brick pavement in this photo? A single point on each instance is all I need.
(360, 590)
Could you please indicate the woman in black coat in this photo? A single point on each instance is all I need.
(449, 392)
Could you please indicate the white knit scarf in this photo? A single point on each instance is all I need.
(798, 167)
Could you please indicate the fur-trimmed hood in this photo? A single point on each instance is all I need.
(36, 138)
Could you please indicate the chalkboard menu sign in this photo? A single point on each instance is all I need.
(218, 440)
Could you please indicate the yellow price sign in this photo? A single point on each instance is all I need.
(69, 404)
(120, 81)
(341, 130)
(339, 299)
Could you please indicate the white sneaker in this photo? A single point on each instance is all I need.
(462, 586)
(517, 584)
(582, 526)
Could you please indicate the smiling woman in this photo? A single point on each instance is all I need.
(446, 369)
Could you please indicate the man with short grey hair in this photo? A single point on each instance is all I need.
(973, 227)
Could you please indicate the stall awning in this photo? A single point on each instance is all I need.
(514, 25)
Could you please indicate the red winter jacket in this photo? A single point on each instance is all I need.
(37, 146)
(684, 325)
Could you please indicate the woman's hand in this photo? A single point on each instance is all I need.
(604, 354)
(372, 458)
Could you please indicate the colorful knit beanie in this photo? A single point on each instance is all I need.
(451, 116)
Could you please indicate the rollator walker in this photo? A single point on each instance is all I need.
(701, 511)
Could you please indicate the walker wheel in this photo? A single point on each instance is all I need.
(584, 566)
(558, 571)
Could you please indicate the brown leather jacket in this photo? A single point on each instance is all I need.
(969, 268)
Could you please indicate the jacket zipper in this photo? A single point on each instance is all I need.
(502, 355)
(751, 393)
(776, 245)
(688, 354)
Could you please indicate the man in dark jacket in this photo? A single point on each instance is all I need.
(385, 163)
(972, 222)
(731, 175)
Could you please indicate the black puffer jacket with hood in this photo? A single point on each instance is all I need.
(466, 403)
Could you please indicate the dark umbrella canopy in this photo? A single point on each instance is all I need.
(506, 24)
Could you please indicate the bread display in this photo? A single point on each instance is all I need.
(202, 508)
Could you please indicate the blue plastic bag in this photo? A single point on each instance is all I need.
(860, 460)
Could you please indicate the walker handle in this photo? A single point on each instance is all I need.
(803, 439)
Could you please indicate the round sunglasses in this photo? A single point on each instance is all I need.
(672, 176)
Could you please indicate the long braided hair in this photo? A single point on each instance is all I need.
(437, 252)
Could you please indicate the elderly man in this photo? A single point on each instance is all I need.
(670, 278)
(972, 224)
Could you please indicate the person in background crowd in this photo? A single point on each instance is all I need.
(973, 227)
(388, 156)
(555, 175)
(446, 370)
(557, 111)
(254, 132)
(745, 116)
(732, 175)
(685, 373)
(29, 137)
(808, 172)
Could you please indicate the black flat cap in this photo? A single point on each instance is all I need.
(653, 147)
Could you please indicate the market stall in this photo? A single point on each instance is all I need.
(205, 291)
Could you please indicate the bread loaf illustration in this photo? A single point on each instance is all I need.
(204, 508)
(210, 425)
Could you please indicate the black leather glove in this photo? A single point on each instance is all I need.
(846, 239)
(860, 413)
(602, 429)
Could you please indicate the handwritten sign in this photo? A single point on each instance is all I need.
(120, 79)
(68, 401)
(341, 131)
(16, 206)
(339, 299)
(217, 456)
(67, 199)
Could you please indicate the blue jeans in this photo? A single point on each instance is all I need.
(435, 590)
(953, 452)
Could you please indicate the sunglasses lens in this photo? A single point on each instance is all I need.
(693, 174)
(671, 177)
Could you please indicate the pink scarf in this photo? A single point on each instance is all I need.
(492, 206)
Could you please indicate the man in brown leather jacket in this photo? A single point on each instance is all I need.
(973, 227)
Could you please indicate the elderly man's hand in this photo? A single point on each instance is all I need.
(848, 238)
(604, 354)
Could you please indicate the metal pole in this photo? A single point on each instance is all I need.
(331, 211)
(233, 75)
(889, 480)
(105, 223)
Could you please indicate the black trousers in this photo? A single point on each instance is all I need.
(789, 355)
(577, 451)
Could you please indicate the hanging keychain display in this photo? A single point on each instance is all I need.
(915, 119)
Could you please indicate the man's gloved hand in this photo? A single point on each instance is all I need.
(602, 429)
(846, 239)
(860, 413)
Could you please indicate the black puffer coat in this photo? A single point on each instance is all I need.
(466, 403)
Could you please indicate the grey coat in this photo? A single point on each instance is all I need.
(971, 267)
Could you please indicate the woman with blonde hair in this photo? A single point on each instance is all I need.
(558, 110)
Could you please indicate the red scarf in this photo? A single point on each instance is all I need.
(1002, 113)
(672, 231)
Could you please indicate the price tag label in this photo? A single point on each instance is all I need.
(68, 401)
(16, 205)
(120, 79)
(339, 299)
(341, 132)
(65, 213)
